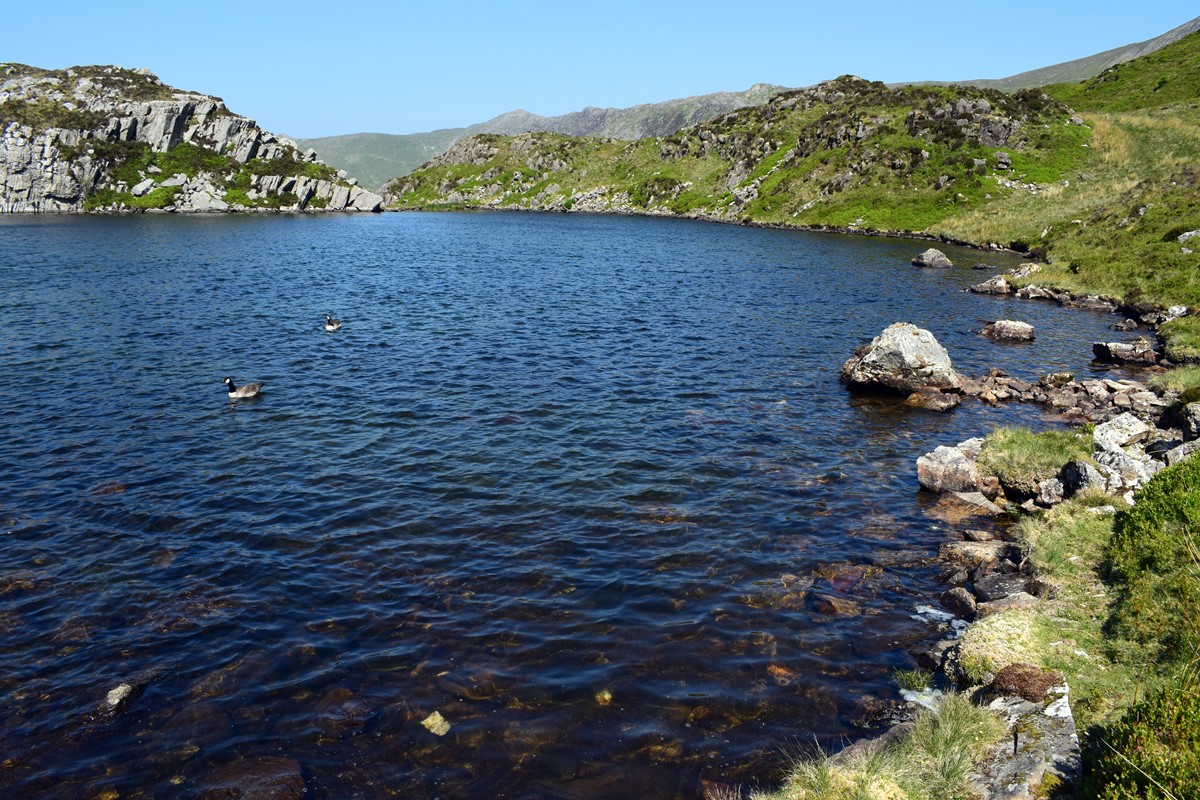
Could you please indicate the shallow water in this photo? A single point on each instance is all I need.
(563, 479)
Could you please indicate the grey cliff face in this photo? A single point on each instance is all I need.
(58, 131)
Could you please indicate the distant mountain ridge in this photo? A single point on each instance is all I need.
(375, 158)
(1081, 69)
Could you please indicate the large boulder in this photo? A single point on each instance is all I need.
(932, 258)
(905, 359)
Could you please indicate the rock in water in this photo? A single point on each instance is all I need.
(905, 359)
(932, 258)
(1008, 330)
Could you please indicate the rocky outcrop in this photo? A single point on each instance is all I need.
(904, 359)
(74, 139)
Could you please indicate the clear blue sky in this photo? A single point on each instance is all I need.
(307, 69)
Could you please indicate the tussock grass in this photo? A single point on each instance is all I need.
(1181, 339)
(1020, 458)
(1180, 379)
(933, 761)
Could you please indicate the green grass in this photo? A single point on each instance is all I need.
(1122, 625)
(812, 165)
(914, 680)
(1154, 751)
(1020, 458)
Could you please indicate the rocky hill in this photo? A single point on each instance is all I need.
(847, 153)
(375, 158)
(111, 139)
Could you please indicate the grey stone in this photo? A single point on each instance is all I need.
(1080, 476)
(959, 602)
(142, 188)
(1126, 472)
(1140, 351)
(1050, 492)
(1016, 601)
(1044, 745)
(1182, 453)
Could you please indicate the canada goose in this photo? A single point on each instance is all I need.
(332, 324)
(249, 390)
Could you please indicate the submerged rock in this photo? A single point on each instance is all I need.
(933, 400)
(261, 778)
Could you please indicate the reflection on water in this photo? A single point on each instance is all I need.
(586, 489)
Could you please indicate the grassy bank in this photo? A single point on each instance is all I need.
(1119, 620)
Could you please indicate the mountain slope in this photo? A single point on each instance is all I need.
(377, 157)
(107, 138)
(1166, 76)
(1081, 69)
(1089, 66)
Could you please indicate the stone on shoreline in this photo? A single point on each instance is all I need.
(1139, 351)
(996, 285)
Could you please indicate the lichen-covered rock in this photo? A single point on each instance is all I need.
(903, 358)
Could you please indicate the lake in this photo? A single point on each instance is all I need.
(571, 482)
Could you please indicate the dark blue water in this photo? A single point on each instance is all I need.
(564, 480)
